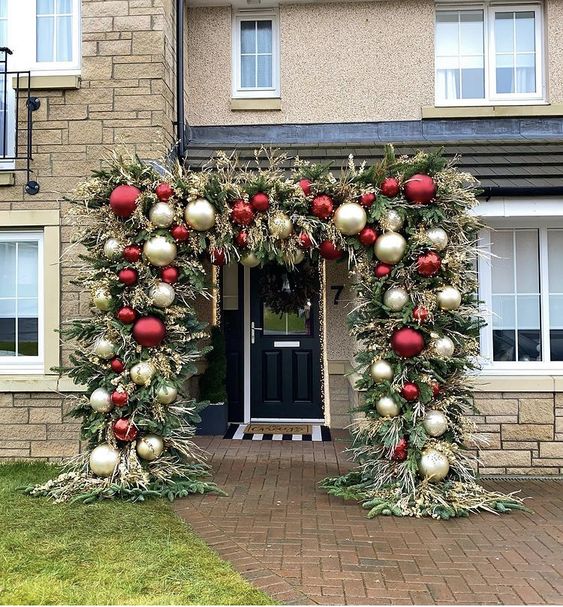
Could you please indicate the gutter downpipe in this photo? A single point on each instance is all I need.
(180, 115)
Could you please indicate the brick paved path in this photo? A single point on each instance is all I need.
(301, 546)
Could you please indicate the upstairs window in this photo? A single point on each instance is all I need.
(54, 24)
(489, 54)
(255, 54)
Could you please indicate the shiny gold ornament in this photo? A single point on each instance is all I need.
(381, 370)
(350, 218)
(162, 295)
(100, 401)
(396, 298)
(104, 460)
(104, 348)
(443, 346)
(433, 465)
(161, 215)
(449, 298)
(112, 248)
(294, 258)
(393, 221)
(142, 373)
(280, 226)
(200, 215)
(438, 237)
(166, 394)
(435, 423)
(102, 299)
(150, 447)
(390, 247)
(387, 407)
(159, 251)
(249, 260)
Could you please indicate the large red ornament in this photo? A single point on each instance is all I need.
(260, 202)
(329, 250)
(117, 366)
(367, 236)
(389, 187)
(400, 451)
(180, 232)
(305, 241)
(410, 391)
(420, 189)
(128, 276)
(124, 430)
(242, 213)
(164, 192)
(241, 240)
(428, 264)
(149, 331)
(435, 388)
(218, 257)
(420, 313)
(126, 315)
(407, 342)
(382, 270)
(322, 206)
(169, 274)
(305, 185)
(123, 200)
(132, 253)
(367, 199)
(119, 399)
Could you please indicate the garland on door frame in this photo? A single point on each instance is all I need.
(403, 225)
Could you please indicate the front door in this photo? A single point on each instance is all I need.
(285, 366)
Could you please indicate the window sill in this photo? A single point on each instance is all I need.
(518, 383)
(492, 111)
(38, 383)
(49, 82)
(240, 104)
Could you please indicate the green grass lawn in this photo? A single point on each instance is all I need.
(105, 553)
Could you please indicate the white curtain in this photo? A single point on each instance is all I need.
(447, 83)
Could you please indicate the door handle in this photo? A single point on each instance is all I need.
(253, 329)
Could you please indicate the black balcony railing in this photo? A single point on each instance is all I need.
(16, 120)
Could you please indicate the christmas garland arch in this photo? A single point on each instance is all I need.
(404, 226)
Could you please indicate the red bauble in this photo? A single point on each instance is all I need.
(260, 202)
(435, 388)
(123, 200)
(410, 391)
(241, 240)
(117, 366)
(169, 274)
(180, 232)
(124, 430)
(367, 236)
(305, 241)
(389, 187)
(420, 189)
(329, 250)
(128, 276)
(119, 399)
(407, 342)
(305, 185)
(126, 315)
(428, 264)
(164, 192)
(243, 213)
(132, 253)
(400, 451)
(382, 270)
(218, 257)
(367, 199)
(149, 331)
(420, 313)
(322, 206)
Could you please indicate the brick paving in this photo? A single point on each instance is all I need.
(302, 546)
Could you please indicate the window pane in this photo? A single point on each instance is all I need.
(27, 269)
(504, 32)
(45, 38)
(555, 278)
(502, 265)
(248, 36)
(64, 6)
(290, 323)
(505, 73)
(7, 327)
(527, 261)
(28, 344)
(264, 71)
(264, 36)
(248, 71)
(504, 348)
(7, 269)
(471, 32)
(447, 33)
(45, 7)
(3, 9)
(504, 312)
(526, 73)
(64, 38)
(3, 33)
(448, 84)
(525, 31)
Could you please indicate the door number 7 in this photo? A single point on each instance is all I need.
(338, 292)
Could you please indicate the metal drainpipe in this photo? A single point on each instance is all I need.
(180, 118)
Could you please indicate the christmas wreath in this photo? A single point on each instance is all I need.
(288, 290)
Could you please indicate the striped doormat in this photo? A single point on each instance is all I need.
(315, 432)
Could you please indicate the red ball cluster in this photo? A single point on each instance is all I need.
(329, 250)
(242, 212)
(128, 276)
(382, 270)
(260, 202)
(389, 187)
(367, 236)
(305, 185)
(164, 192)
(180, 232)
(407, 342)
(169, 274)
(119, 399)
(126, 315)
(420, 313)
(322, 206)
(123, 200)
(305, 241)
(367, 199)
(218, 257)
(400, 451)
(124, 430)
(117, 365)
(428, 264)
(241, 240)
(420, 189)
(132, 253)
(149, 331)
(410, 391)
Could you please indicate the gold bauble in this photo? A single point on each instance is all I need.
(393, 221)
(104, 348)
(433, 465)
(443, 346)
(102, 299)
(280, 226)
(249, 260)
(350, 218)
(159, 251)
(161, 215)
(294, 258)
(381, 370)
(390, 247)
(166, 394)
(150, 447)
(104, 460)
(396, 298)
(449, 298)
(435, 423)
(142, 373)
(438, 237)
(100, 401)
(200, 215)
(387, 407)
(112, 248)
(162, 295)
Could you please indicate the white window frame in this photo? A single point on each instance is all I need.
(259, 92)
(489, 366)
(15, 365)
(491, 97)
